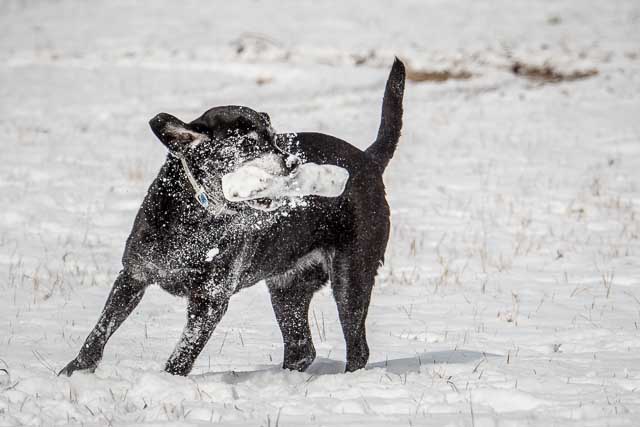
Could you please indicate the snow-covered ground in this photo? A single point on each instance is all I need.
(511, 292)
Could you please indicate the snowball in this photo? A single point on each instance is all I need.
(211, 253)
(253, 181)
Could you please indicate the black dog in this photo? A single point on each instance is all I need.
(206, 248)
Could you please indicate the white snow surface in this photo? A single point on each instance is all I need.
(511, 290)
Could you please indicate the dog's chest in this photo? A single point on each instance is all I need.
(196, 243)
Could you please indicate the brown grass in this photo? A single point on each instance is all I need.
(547, 74)
(436, 76)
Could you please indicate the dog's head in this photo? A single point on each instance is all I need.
(220, 140)
(233, 151)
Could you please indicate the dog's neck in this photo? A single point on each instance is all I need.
(214, 205)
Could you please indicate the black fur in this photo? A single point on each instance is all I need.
(391, 123)
(339, 240)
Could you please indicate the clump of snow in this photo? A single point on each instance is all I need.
(211, 254)
(258, 181)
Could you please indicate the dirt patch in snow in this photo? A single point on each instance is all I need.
(437, 76)
(548, 74)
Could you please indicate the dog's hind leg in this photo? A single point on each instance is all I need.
(124, 297)
(204, 311)
(352, 282)
(290, 300)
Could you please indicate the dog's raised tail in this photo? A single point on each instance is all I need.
(381, 151)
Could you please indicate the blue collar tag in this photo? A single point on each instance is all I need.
(201, 197)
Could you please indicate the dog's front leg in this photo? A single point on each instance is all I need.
(124, 297)
(203, 314)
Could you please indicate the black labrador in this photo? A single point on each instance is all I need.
(206, 248)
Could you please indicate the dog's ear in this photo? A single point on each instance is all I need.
(176, 135)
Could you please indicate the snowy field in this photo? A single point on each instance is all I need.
(511, 292)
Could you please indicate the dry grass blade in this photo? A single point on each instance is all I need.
(40, 358)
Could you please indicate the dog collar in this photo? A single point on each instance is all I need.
(200, 193)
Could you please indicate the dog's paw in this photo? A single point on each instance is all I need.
(75, 365)
(300, 365)
(299, 355)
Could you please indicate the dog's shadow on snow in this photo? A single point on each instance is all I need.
(325, 366)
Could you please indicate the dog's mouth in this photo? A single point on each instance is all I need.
(264, 204)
